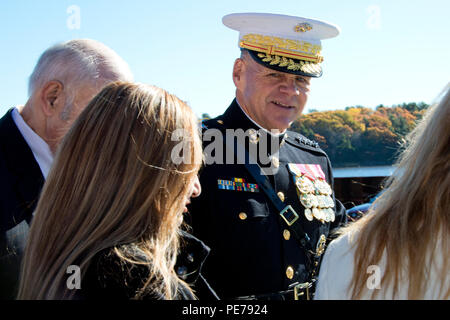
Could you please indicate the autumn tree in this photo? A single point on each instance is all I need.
(359, 136)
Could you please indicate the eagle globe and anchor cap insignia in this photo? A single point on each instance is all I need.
(284, 43)
(303, 27)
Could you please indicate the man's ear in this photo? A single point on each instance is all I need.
(238, 72)
(51, 97)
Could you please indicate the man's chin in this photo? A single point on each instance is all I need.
(278, 126)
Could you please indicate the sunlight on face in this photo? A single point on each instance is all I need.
(271, 98)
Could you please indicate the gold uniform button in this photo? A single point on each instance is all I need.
(242, 216)
(286, 234)
(281, 196)
(219, 121)
(290, 272)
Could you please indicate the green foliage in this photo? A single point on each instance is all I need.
(359, 136)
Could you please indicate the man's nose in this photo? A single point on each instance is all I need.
(290, 86)
(196, 188)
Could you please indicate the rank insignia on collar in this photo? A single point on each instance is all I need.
(313, 191)
(237, 184)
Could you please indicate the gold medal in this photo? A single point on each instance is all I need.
(322, 186)
(317, 186)
(314, 200)
(316, 213)
(305, 200)
(323, 201)
(313, 191)
(308, 214)
(305, 185)
(319, 201)
(329, 201)
(326, 188)
(325, 215)
(331, 214)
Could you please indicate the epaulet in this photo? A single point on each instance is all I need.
(215, 123)
(297, 139)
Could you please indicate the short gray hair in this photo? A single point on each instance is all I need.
(76, 62)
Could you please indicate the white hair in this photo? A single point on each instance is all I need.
(78, 62)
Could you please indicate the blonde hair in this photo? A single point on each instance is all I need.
(411, 217)
(113, 182)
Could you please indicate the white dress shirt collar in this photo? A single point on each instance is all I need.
(38, 146)
(256, 124)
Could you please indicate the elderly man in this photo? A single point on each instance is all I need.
(66, 77)
(267, 214)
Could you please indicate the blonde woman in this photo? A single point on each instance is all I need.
(400, 249)
(113, 203)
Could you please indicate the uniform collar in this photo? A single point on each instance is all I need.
(236, 118)
(257, 125)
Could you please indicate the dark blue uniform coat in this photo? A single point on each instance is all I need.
(250, 253)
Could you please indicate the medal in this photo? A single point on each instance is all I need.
(325, 214)
(316, 213)
(329, 202)
(305, 185)
(305, 199)
(308, 214)
(323, 203)
(314, 200)
(331, 214)
(313, 191)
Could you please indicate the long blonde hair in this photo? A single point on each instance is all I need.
(411, 218)
(113, 182)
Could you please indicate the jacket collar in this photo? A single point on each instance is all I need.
(235, 118)
(26, 176)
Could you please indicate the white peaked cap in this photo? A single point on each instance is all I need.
(281, 42)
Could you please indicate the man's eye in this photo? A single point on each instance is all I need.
(303, 81)
(274, 75)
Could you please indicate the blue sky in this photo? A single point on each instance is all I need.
(388, 52)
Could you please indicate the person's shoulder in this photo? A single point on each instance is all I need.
(298, 140)
(214, 123)
(336, 270)
(6, 122)
(112, 269)
(7, 115)
(343, 244)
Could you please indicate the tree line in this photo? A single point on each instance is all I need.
(360, 136)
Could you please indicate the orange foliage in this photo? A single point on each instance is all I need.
(359, 135)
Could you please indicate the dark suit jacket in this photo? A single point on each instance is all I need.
(20, 184)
